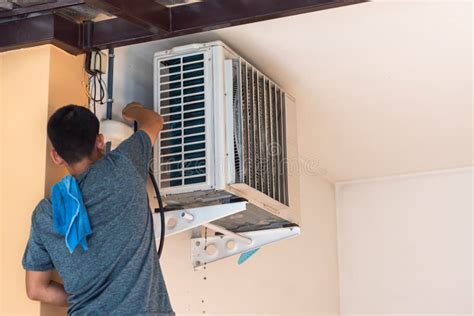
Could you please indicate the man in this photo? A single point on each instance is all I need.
(119, 273)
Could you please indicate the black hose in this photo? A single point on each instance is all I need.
(160, 208)
(162, 213)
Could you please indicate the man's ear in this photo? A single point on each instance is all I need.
(100, 143)
(56, 158)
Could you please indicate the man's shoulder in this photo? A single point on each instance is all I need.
(43, 210)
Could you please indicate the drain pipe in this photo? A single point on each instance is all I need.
(110, 84)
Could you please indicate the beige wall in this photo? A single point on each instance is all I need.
(32, 83)
(1, 180)
(405, 244)
(24, 81)
(292, 277)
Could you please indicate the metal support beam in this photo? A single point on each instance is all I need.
(142, 20)
(29, 3)
(207, 15)
(6, 6)
(43, 29)
(148, 14)
(48, 6)
(227, 232)
(118, 32)
(182, 220)
(213, 248)
(213, 14)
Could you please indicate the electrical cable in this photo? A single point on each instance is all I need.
(95, 94)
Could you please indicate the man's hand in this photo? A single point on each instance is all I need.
(40, 287)
(131, 105)
(148, 121)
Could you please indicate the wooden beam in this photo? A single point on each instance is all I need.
(213, 14)
(146, 13)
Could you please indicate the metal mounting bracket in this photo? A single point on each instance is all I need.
(210, 249)
(185, 219)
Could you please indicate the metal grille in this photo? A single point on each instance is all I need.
(182, 145)
(260, 133)
(237, 117)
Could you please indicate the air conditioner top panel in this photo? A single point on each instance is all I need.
(191, 47)
(183, 49)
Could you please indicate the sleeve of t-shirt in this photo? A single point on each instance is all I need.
(36, 258)
(138, 149)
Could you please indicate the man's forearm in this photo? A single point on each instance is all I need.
(142, 115)
(148, 120)
(53, 294)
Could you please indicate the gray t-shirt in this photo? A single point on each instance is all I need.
(120, 274)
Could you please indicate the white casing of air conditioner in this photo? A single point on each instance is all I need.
(220, 171)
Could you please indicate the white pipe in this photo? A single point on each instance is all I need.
(227, 232)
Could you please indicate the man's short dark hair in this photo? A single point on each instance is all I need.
(72, 131)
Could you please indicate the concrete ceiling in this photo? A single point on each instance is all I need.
(382, 88)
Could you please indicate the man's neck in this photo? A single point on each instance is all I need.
(82, 166)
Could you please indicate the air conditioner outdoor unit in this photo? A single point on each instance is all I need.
(224, 155)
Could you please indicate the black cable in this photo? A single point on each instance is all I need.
(101, 86)
(160, 208)
(93, 78)
(95, 75)
(87, 64)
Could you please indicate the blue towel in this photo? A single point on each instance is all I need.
(70, 217)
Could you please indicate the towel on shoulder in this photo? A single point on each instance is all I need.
(70, 218)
